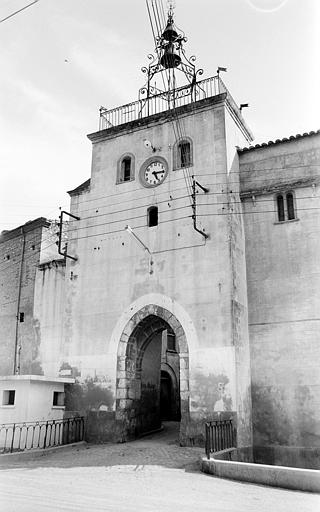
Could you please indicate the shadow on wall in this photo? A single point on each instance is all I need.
(270, 421)
(210, 393)
(92, 394)
(273, 421)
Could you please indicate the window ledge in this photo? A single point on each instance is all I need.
(7, 406)
(126, 181)
(286, 221)
(182, 168)
(58, 407)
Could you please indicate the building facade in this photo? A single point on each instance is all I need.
(22, 252)
(190, 286)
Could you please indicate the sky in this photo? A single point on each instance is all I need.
(63, 59)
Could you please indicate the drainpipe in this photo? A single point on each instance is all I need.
(17, 348)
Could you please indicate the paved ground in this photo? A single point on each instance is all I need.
(149, 475)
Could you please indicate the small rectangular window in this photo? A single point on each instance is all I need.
(21, 317)
(171, 342)
(58, 399)
(152, 216)
(8, 397)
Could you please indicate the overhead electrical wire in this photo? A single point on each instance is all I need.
(208, 214)
(181, 218)
(196, 175)
(30, 241)
(20, 10)
(218, 203)
(27, 258)
(222, 205)
(170, 75)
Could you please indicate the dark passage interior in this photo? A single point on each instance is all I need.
(157, 374)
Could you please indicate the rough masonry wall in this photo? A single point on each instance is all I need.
(27, 330)
(284, 303)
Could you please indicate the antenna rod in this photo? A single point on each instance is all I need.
(130, 230)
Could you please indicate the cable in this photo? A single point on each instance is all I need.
(123, 229)
(29, 242)
(177, 199)
(124, 220)
(173, 190)
(132, 208)
(251, 212)
(20, 10)
(239, 213)
(168, 77)
(27, 258)
(200, 175)
(200, 204)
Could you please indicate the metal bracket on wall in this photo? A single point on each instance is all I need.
(194, 206)
(64, 252)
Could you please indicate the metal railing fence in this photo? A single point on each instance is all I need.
(16, 437)
(147, 106)
(220, 435)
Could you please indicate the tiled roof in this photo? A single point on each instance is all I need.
(279, 141)
(80, 188)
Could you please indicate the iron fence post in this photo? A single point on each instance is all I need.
(13, 432)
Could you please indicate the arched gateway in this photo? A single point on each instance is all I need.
(152, 371)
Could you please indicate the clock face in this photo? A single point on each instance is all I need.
(154, 173)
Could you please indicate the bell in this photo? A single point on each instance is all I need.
(169, 33)
(170, 59)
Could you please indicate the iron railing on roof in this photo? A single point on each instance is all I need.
(155, 104)
(16, 437)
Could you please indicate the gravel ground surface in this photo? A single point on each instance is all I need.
(152, 474)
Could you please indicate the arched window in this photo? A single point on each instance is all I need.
(285, 207)
(290, 206)
(152, 216)
(125, 170)
(183, 154)
(280, 205)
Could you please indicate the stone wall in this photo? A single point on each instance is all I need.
(284, 301)
(19, 256)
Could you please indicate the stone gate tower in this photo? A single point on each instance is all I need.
(156, 303)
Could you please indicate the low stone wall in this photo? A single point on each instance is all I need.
(292, 456)
(276, 476)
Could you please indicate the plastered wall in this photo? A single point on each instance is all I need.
(112, 271)
(283, 294)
